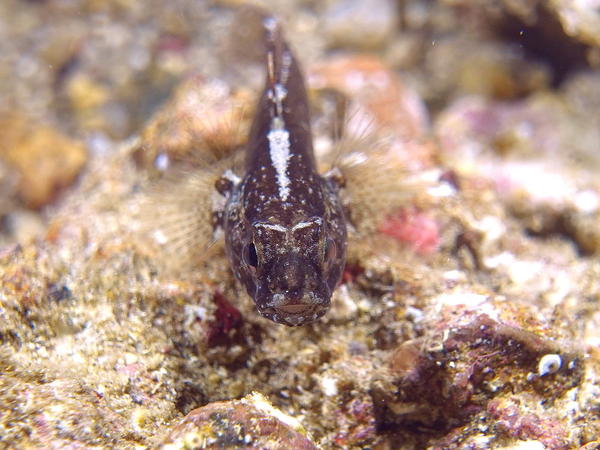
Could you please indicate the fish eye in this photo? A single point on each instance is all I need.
(250, 256)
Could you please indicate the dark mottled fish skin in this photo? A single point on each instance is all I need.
(285, 231)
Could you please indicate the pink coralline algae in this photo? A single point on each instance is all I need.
(512, 420)
(413, 227)
(357, 422)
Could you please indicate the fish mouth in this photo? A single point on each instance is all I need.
(293, 308)
(295, 314)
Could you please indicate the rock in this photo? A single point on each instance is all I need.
(86, 94)
(347, 402)
(56, 413)
(535, 154)
(367, 80)
(9, 185)
(203, 119)
(405, 51)
(358, 24)
(458, 65)
(580, 20)
(480, 353)
(24, 225)
(251, 422)
(45, 159)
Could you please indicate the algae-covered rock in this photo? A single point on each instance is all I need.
(251, 422)
(45, 159)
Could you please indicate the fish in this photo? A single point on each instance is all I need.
(284, 223)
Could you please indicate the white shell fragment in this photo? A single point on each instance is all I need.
(548, 364)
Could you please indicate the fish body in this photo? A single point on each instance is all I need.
(285, 230)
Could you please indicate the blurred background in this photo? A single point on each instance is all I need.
(77, 76)
(103, 66)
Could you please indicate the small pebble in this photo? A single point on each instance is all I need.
(549, 364)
